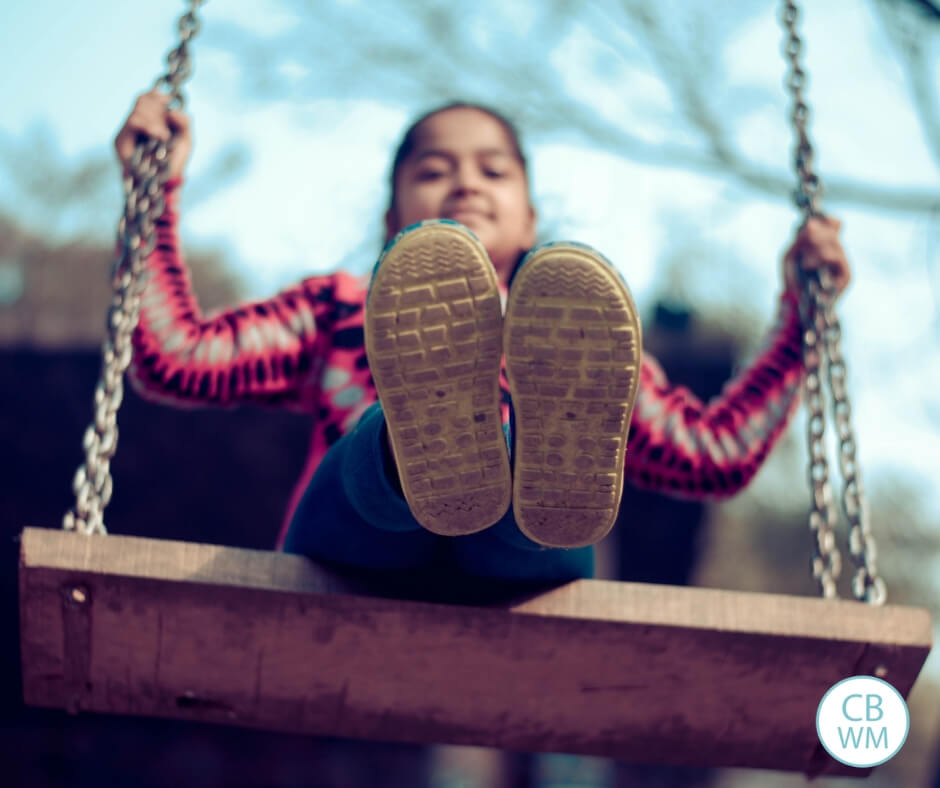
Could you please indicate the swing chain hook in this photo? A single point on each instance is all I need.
(143, 205)
(822, 350)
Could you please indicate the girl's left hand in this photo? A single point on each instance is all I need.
(816, 246)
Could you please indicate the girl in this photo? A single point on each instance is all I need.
(422, 477)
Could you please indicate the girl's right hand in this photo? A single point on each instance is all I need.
(150, 118)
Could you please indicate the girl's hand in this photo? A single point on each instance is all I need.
(816, 246)
(150, 118)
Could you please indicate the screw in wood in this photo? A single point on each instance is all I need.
(76, 595)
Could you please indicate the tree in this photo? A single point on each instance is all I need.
(63, 198)
(61, 290)
(642, 80)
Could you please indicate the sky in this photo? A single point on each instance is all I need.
(312, 196)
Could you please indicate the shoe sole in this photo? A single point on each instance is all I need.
(573, 352)
(433, 332)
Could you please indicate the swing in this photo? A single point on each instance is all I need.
(636, 672)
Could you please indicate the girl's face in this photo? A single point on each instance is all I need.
(464, 167)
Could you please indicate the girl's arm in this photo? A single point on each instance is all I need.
(683, 447)
(265, 352)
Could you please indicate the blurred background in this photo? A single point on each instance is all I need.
(657, 132)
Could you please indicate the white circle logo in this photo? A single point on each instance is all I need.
(862, 721)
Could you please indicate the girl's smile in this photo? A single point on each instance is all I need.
(464, 167)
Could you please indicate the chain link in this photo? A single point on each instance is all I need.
(822, 350)
(867, 584)
(143, 191)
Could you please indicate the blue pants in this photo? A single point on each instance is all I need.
(351, 513)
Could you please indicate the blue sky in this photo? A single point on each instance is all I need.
(314, 191)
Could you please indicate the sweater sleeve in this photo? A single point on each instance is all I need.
(683, 447)
(265, 352)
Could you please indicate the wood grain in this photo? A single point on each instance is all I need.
(636, 672)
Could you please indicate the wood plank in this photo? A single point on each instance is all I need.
(637, 672)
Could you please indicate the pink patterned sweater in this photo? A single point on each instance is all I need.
(303, 350)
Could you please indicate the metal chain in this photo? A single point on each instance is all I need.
(143, 191)
(822, 349)
(867, 584)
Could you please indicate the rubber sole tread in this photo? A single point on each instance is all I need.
(573, 352)
(433, 332)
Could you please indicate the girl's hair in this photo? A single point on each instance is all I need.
(407, 144)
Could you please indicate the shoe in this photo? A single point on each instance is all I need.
(433, 335)
(573, 352)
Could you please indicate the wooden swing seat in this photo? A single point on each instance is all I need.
(637, 672)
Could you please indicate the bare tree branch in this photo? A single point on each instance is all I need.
(926, 8)
(904, 30)
(424, 53)
(52, 191)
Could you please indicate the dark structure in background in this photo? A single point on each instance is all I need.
(658, 537)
